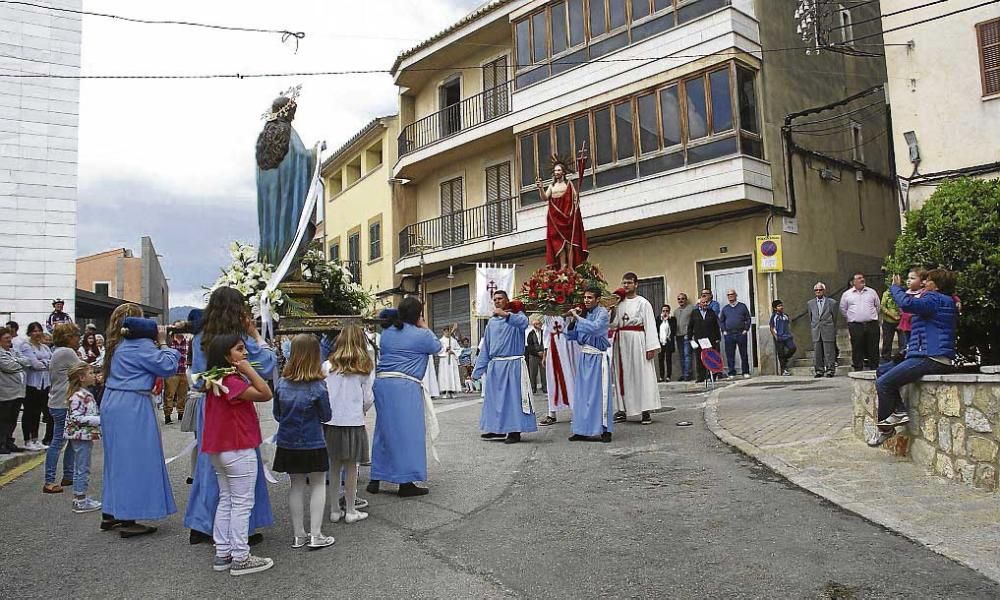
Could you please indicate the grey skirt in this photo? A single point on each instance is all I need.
(347, 444)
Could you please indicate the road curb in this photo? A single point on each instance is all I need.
(795, 475)
(15, 465)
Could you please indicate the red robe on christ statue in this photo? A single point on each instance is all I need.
(564, 226)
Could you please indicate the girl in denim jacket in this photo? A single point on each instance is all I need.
(301, 406)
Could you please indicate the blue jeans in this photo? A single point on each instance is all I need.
(56, 446)
(81, 469)
(892, 376)
(734, 340)
(684, 347)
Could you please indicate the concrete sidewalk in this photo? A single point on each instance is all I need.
(800, 428)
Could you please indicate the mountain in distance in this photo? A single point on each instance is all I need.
(179, 313)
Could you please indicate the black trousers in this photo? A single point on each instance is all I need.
(890, 331)
(8, 420)
(785, 349)
(667, 361)
(36, 407)
(536, 371)
(864, 345)
(702, 371)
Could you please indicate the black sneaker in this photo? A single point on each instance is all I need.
(817, 375)
(646, 419)
(373, 486)
(166, 420)
(491, 436)
(197, 537)
(513, 438)
(620, 417)
(606, 437)
(409, 490)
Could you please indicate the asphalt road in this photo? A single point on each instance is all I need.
(661, 512)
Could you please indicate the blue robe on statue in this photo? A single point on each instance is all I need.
(503, 344)
(593, 405)
(204, 497)
(281, 196)
(136, 484)
(399, 448)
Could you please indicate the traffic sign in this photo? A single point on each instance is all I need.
(769, 259)
(712, 360)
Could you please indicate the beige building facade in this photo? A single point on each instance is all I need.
(944, 84)
(360, 214)
(683, 123)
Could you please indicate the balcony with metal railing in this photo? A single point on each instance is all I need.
(477, 223)
(354, 268)
(452, 120)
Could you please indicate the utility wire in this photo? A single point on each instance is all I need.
(890, 14)
(285, 34)
(927, 20)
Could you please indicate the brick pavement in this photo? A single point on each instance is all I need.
(800, 428)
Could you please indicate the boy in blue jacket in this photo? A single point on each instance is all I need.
(929, 351)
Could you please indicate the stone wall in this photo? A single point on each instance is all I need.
(954, 420)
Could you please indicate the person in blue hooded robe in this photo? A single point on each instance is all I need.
(594, 399)
(399, 448)
(284, 173)
(507, 388)
(136, 484)
(203, 500)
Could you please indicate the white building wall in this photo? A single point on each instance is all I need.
(39, 119)
(936, 91)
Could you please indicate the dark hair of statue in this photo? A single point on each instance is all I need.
(409, 311)
(226, 313)
(272, 143)
(218, 350)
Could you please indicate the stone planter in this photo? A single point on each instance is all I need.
(954, 420)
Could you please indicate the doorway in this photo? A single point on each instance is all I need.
(737, 275)
(449, 101)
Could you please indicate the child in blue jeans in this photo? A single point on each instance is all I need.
(83, 428)
(781, 329)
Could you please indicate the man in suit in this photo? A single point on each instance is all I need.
(704, 324)
(823, 325)
(535, 353)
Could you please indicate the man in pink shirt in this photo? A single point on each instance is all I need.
(860, 306)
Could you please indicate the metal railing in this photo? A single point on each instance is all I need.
(481, 222)
(474, 110)
(354, 268)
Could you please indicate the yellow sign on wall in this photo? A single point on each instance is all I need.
(769, 254)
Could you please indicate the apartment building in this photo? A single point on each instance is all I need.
(944, 83)
(39, 122)
(121, 275)
(359, 208)
(682, 106)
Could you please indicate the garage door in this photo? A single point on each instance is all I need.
(449, 307)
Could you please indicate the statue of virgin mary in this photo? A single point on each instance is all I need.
(284, 172)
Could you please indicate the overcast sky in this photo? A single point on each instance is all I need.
(174, 159)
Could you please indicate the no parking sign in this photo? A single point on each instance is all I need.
(712, 360)
(769, 254)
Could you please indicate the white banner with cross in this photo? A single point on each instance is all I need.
(489, 279)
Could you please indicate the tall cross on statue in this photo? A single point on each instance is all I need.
(491, 287)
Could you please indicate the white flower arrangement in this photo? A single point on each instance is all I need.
(247, 275)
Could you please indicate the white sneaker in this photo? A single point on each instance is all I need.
(335, 515)
(746, 376)
(320, 541)
(895, 419)
(786, 373)
(355, 516)
(85, 505)
(879, 438)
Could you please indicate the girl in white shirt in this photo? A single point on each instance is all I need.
(349, 383)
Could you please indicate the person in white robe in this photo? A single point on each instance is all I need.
(449, 378)
(634, 352)
(560, 367)
(431, 379)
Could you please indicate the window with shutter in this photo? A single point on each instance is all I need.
(989, 55)
(495, 101)
(452, 226)
(499, 215)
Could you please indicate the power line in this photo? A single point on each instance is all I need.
(379, 71)
(890, 14)
(927, 20)
(285, 34)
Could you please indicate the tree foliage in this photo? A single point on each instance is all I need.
(958, 228)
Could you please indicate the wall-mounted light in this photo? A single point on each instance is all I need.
(911, 143)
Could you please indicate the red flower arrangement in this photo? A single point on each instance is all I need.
(554, 291)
